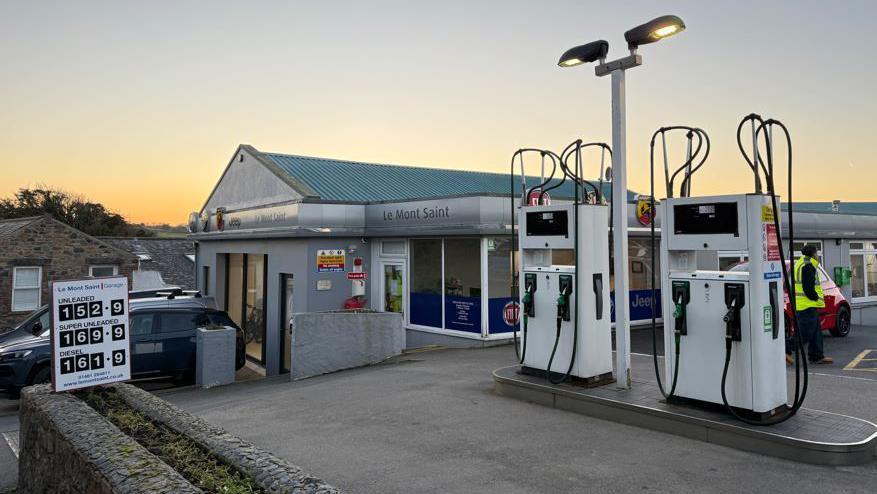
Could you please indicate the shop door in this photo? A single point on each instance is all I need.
(393, 287)
(286, 292)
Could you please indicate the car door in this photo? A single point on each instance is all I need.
(177, 336)
(829, 291)
(143, 344)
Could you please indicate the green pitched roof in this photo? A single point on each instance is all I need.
(867, 208)
(353, 181)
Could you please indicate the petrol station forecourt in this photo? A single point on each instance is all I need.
(395, 328)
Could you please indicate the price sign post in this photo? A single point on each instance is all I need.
(90, 337)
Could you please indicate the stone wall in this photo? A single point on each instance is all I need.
(324, 342)
(63, 253)
(67, 447)
(270, 473)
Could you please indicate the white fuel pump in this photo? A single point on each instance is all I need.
(564, 279)
(709, 307)
(722, 335)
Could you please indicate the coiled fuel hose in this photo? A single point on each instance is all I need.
(766, 127)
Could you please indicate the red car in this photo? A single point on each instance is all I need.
(834, 318)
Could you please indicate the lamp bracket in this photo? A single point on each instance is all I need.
(625, 63)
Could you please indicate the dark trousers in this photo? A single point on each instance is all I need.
(811, 334)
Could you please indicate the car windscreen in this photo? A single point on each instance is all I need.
(44, 326)
(180, 321)
(743, 266)
(220, 318)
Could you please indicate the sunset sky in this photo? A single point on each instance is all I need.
(139, 105)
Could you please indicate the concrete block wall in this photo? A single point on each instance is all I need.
(324, 342)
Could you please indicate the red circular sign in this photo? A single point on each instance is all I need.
(510, 313)
(534, 197)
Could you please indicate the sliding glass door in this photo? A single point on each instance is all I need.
(245, 300)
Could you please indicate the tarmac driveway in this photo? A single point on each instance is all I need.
(429, 422)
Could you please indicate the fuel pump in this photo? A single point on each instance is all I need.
(566, 329)
(721, 335)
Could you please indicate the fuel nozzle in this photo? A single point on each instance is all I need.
(734, 301)
(529, 290)
(681, 296)
(565, 288)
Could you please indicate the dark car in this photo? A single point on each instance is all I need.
(162, 342)
(25, 353)
(34, 324)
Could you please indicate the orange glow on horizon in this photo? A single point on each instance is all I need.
(139, 106)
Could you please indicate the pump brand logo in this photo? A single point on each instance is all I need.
(511, 313)
(537, 198)
(644, 212)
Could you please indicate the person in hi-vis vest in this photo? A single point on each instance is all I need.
(809, 299)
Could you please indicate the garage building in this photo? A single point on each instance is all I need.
(282, 233)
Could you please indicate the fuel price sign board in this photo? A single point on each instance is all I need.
(90, 337)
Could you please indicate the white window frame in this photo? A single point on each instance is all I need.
(450, 332)
(404, 252)
(817, 243)
(91, 268)
(869, 247)
(38, 287)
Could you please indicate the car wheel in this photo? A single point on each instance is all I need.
(842, 323)
(42, 376)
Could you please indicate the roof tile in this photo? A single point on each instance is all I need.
(351, 181)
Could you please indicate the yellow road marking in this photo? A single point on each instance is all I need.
(860, 358)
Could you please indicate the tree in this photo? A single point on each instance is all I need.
(89, 217)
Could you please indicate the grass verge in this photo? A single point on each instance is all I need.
(197, 465)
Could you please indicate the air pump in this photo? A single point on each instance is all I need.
(722, 336)
(564, 271)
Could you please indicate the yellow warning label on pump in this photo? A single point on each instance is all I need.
(767, 214)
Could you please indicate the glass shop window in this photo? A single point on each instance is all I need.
(425, 297)
(463, 284)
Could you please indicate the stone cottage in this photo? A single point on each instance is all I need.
(35, 251)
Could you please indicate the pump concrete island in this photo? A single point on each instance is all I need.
(564, 272)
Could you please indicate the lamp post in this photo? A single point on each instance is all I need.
(650, 32)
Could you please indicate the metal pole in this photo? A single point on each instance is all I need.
(619, 232)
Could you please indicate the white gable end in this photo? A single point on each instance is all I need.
(247, 183)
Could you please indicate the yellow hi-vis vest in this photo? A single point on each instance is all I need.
(801, 300)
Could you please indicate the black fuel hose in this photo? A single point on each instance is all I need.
(789, 273)
(520, 353)
(702, 136)
(574, 149)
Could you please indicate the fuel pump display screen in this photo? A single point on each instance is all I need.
(706, 219)
(547, 223)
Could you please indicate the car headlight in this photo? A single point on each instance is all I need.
(18, 354)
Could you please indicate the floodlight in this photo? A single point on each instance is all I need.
(590, 52)
(654, 30)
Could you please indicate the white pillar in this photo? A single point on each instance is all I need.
(619, 232)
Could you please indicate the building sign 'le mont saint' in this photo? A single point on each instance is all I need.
(427, 213)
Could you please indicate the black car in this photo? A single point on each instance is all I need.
(162, 334)
(25, 352)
